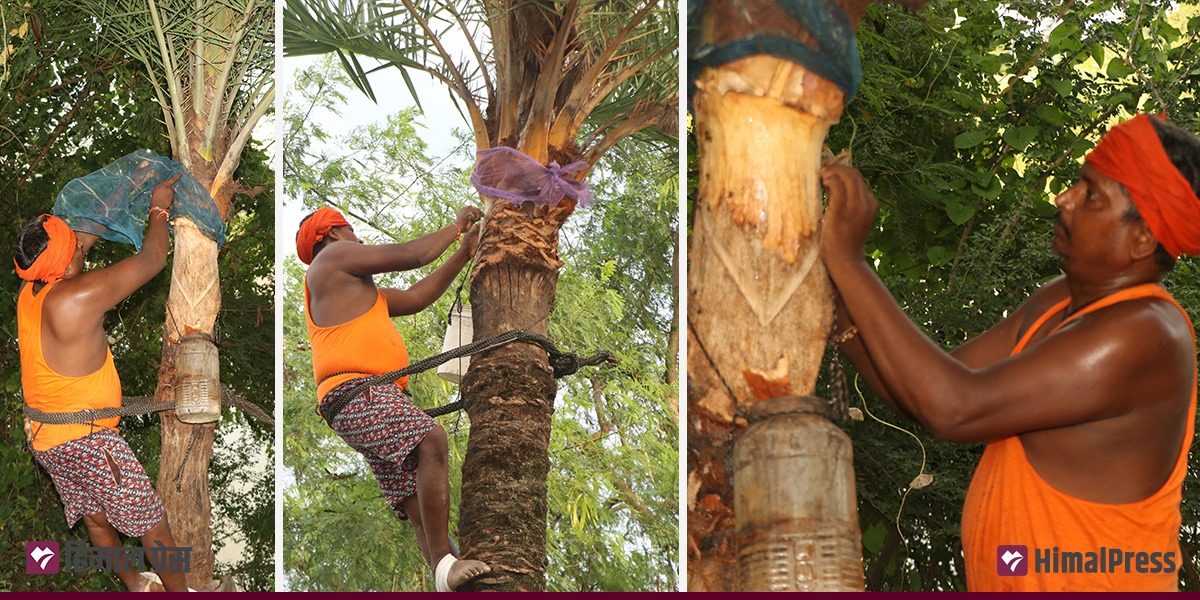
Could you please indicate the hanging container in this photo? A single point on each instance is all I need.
(794, 500)
(459, 333)
(197, 380)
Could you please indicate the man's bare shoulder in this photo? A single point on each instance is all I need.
(1151, 322)
(329, 269)
(73, 292)
(71, 304)
(336, 295)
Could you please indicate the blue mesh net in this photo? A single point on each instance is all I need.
(114, 201)
(832, 51)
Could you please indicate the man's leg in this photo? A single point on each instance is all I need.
(433, 498)
(130, 502)
(412, 508)
(172, 582)
(421, 491)
(102, 534)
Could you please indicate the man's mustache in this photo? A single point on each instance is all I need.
(1058, 220)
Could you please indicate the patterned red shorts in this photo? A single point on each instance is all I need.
(385, 427)
(98, 474)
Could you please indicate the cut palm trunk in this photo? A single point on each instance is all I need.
(760, 304)
(187, 449)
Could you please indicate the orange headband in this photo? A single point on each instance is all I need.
(52, 263)
(313, 230)
(1132, 154)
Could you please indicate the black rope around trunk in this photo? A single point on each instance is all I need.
(563, 363)
(132, 406)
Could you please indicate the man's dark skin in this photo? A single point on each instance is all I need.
(341, 289)
(1100, 406)
(75, 344)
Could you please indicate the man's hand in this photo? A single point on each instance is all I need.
(470, 239)
(163, 195)
(467, 216)
(849, 216)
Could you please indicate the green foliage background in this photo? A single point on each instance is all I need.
(69, 106)
(971, 117)
(613, 485)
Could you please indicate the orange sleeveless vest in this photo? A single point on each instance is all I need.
(365, 345)
(47, 391)
(1071, 544)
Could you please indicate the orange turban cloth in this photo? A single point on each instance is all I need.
(313, 230)
(1132, 154)
(52, 263)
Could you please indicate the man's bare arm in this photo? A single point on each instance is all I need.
(1055, 383)
(993, 345)
(856, 351)
(96, 292)
(362, 260)
(426, 291)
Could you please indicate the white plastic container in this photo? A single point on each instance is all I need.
(460, 332)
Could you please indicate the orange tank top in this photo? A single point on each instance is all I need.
(46, 390)
(1070, 544)
(365, 345)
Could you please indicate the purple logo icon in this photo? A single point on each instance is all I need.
(1012, 561)
(41, 558)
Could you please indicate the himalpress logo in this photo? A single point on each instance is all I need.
(41, 558)
(1011, 560)
(1014, 561)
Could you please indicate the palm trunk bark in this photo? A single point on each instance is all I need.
(759, 306)
(509, 394)
(193, 302)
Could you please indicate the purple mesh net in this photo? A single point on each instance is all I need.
(514, 176)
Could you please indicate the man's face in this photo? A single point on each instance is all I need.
(1091, 227)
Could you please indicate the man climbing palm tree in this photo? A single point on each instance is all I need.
(67, 366)
(353, 338)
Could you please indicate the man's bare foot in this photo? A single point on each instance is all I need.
(464, 571)
(146, 582)
(451, 572)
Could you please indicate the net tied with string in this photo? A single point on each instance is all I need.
(113, 202)
(512, 175)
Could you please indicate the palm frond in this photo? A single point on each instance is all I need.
(534, 74)
(208, 62)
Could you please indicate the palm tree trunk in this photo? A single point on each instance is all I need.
(187, 449)
(509, 394)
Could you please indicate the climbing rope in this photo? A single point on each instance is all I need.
(839, 396)
(563, 363)
(126, 409)
(138, 405)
